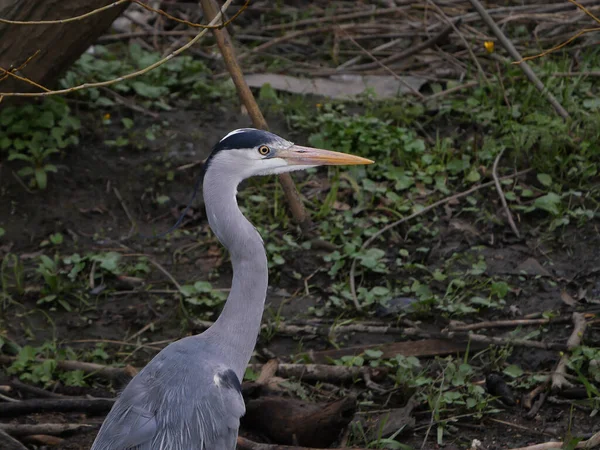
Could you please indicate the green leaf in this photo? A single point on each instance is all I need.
(45, 120)
(549, 202)
(544, 179)
(41, 178)
(2, 232)
(109, 261)
(473, 176)
(148, 91)
(127, 122)
(513, 371)
(5, 142)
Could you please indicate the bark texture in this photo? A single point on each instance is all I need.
(60, 45)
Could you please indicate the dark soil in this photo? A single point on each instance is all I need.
(81, 204)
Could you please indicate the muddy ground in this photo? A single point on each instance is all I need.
(81, 203)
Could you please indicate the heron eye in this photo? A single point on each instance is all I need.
(264, 150)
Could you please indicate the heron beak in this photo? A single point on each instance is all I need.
(308, 156)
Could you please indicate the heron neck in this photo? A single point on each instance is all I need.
(236, 330)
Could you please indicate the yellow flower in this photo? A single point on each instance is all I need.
(106, 116)
(489, 46)
(319, 105)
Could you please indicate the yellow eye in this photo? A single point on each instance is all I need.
(264, 150)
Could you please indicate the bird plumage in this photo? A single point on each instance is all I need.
(189, 396)
(177, 402)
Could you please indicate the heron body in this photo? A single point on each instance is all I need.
(189, 395)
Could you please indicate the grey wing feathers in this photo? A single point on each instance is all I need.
(163, 408)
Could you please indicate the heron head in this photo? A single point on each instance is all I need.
(251, 152)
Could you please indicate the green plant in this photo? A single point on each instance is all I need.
(32, 134)
(181, 77)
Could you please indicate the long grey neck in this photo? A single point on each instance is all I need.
(236, 330)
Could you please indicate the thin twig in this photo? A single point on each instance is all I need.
(382, 64)
(467, 85)
(127, 213)
(336, 18)
(505, 324)
(511, 222)
(514, 53)
(117, 3)
(462, 38)
(416, 214)
(405, 53)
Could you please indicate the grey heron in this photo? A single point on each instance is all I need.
(189, 395)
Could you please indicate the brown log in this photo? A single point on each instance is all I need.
(9, 443)
(246, 444)
(96, 406)
(53, 429)
(291, 421)
(59, 45)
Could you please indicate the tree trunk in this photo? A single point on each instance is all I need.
(59, 44)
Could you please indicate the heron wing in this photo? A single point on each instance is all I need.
(177, 412)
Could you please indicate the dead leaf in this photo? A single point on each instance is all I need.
(531, 266)
(567, 299)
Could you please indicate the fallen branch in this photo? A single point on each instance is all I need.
(323, 372)
(247, 98)
(412, 216)
(504, 324)
(315, 330)
(9, 443)
(96, 406)
(592, 442)
(559, 382)
(53, 429)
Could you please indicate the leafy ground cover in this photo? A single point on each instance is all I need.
(84, 174)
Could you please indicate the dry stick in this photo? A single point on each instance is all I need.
(506, 324)
(130, 75)
(416, 214)
(376, 49)
(224, 43)
(317, 330)
(321, 372)
(127, 213)
(382, 64)
(53, 429)
(511, 222)
(95, 406)
(334, 18)
(514, 53)
(468, 84)
(559, 381)
(461, 37)
(406, 53)
(592, 442)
